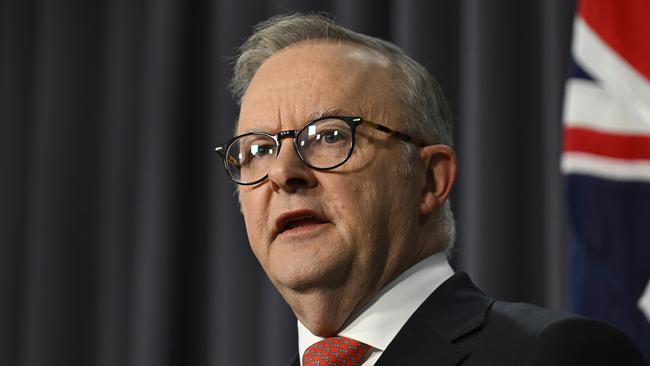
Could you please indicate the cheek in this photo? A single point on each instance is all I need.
(383, 204)
(359, 210)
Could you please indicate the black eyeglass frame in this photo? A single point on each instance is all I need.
(353, 123)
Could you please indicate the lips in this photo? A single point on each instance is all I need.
(297, 220)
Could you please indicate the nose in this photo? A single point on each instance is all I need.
(288, 173)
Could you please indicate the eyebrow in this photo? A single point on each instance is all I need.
(325, 113)
(311, 117)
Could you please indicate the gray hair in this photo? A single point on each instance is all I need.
(425, 107)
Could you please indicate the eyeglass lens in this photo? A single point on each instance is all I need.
(322, 144)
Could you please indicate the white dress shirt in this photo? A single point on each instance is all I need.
(382, 318)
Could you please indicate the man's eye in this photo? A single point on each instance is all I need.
(332, 136)
(261, 151)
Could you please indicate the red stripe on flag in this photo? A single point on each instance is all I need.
(624, 25)
(619, 146)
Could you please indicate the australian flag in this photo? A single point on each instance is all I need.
(606, 161)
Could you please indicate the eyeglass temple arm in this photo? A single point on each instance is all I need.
(222, 151)
(397, 134)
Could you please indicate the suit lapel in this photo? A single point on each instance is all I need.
(432, 333)
(429, 346)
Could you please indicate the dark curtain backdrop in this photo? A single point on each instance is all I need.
(121, 242)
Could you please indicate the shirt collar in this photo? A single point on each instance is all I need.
(381, 319)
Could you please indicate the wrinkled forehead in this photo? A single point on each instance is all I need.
(299, 83)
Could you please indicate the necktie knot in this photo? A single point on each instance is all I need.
(336, 351)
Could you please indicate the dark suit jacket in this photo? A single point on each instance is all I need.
(459, 325)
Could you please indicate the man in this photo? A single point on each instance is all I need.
(343, 159)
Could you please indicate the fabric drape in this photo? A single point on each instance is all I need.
(121, 241)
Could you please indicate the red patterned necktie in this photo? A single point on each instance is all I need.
(336, 351)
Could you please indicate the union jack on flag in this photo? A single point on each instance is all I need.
(606, 161)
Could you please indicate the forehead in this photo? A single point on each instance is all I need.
(305, 80)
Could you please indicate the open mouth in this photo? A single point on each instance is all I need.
(298, 222)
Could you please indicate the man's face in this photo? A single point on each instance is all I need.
(328, 240)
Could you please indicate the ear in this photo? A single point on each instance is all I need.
(440, 174)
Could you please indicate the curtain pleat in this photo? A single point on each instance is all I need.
(121, 240)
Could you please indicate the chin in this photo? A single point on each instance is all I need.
(306, 270)
(301, 277)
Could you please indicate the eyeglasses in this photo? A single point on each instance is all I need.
(323, 144)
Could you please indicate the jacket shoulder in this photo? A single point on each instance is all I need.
(536, 336)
